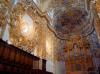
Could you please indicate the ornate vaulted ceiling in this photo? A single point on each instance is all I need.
(41, 27)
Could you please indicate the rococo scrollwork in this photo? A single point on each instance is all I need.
(24, 34)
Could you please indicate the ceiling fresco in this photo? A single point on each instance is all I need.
(68, 22)
(76, 12)
(45, 28)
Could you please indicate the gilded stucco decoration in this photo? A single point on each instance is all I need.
(97, 18)
(98, 6)
(27, 28)
(4, 5)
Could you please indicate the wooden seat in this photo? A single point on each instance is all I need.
(5, 54)
(1, 50)
(17, 57)
(12, 55)
(1, 67)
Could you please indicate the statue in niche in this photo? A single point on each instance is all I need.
(76, 49)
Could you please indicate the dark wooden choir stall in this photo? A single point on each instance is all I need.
(16, 61)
